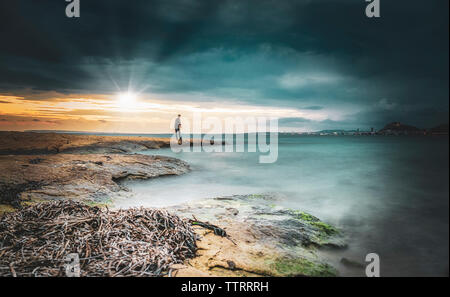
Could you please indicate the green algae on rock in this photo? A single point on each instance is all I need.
(325, 235)
(302, 267)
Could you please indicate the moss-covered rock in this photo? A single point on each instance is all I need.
(270, 240)
(301, 267)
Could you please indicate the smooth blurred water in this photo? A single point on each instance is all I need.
(388, 194)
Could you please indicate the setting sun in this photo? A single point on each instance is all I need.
(127, 100)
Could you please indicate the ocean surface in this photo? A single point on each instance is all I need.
(389, 195)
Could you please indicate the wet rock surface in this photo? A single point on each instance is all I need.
(91, 178)
(264, 239)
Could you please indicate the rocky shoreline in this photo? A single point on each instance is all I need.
(263, 238)
(92, 178)
(36, 167)
(31, 143)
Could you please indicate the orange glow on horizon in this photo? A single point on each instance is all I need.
(120, 113)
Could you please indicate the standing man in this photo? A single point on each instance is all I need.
(178, 127)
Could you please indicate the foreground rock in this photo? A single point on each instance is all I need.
(27, 143)
(91, 178)
(264, 240)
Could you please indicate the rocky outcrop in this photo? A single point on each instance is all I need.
(439, 130)
(30, 143)
(264, 239)
(397, 128)
(91, 178)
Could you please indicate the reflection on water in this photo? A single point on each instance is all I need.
(388, 194)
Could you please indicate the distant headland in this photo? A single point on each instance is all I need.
(394, 128)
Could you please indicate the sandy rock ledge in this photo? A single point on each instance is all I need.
(90, 178)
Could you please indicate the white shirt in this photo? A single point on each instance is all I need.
(177, 123)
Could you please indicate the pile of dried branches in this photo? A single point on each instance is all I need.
(134, 242)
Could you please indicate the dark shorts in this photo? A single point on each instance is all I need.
(177, 130)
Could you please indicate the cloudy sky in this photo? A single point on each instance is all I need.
(314, 64)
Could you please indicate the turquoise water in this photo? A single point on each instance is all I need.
(388, 194)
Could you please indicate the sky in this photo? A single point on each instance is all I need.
(132, 66)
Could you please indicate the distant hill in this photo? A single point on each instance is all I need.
(441, 129)
(399, 127)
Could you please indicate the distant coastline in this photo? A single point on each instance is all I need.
(393, 128)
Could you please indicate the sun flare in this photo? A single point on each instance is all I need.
(127, 100)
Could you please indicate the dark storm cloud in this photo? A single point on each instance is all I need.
(304, 54)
